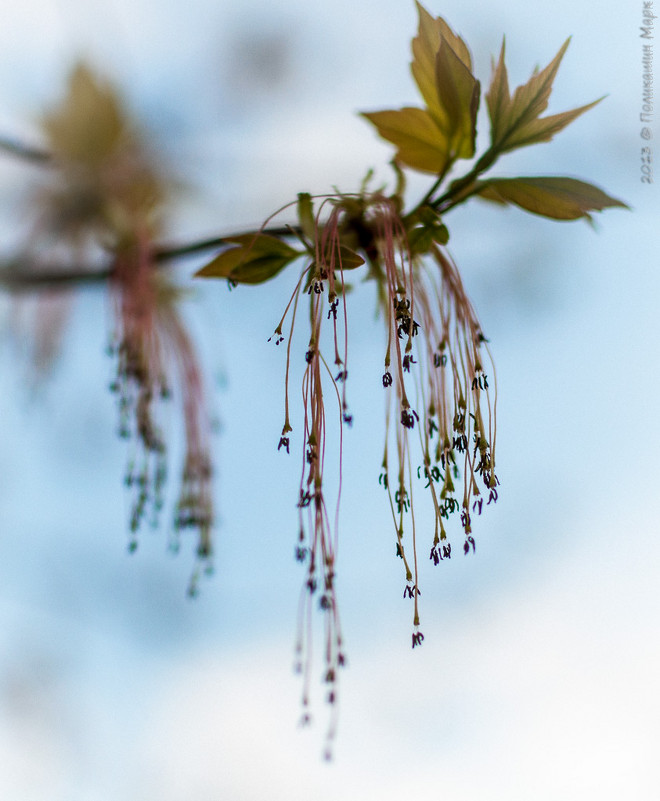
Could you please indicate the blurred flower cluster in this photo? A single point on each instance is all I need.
(100, 200)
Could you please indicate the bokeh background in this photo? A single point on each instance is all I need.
(538, 674)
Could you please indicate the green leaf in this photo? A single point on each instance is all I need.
(498, 98)
(420, 143)
(258, 258)
(442, 69)
(516, 121)
(348, 259)
(431, 139)
(90, 124)
(306, 215)
(425, 46)
(458, 92)
(557, 198)
(424, 228)
(543, 129)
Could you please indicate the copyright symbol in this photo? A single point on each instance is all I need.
(646, 133)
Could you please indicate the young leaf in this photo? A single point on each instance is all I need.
(557, 198)
(90, 124)
(425, 47)
(255, 260)
(348, 259)
(442, 69)
(498, 98)
(516, 121)
(458, 92)
(306, 215)
(421, 144)
(431, 139)
(543, 129)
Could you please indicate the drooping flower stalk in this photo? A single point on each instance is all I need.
(439, 415)
(104, 194)
(154, 354)
(322, 280)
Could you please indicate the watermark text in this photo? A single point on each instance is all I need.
(646, 113)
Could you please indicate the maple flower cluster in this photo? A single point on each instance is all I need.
(104, 194)
(437, 371)
(105, 190)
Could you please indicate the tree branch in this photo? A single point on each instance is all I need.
(26, 275)
(25, 152)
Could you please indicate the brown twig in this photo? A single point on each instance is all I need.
(25, 275)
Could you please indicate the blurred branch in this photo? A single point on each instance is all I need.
(25, 152)
(26, 275)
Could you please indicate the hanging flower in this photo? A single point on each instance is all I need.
(440, 431)
(104, 196)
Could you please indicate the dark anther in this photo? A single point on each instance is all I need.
(132, 546)
(407, 361)
(387, 379)
(410, 591)
(417, 638)
(466, 545)
(431, 475)
(477, 505)
(482, 338)
(432, 426)
(492, 496)
(446, 551)
(342, 375)
(332, 311)
(318, 287)
(439, 359)
(301, 554)
(347, 418)
(305, 499)
(204, 550)
(465, 520)
(399, 552)
(401, 500)
(231, 284)
(284, 443)
(309, 356)
(435, 556)
(311, 455)
(460, 443)
(325, 603)
(408, 418)
(406, 326)
(311, 584)
(382, 479)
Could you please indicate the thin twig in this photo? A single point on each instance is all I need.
(26, 275)
(25, 152)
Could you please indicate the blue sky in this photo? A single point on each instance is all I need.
(538, 673)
